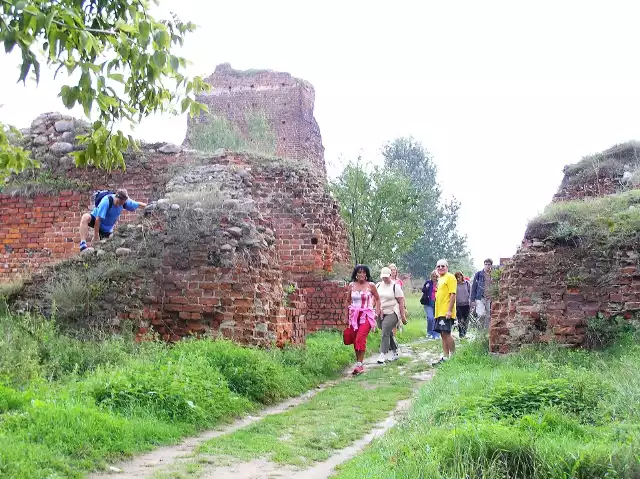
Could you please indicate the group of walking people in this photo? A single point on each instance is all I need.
(446, 298)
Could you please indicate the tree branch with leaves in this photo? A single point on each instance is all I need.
(123, 61)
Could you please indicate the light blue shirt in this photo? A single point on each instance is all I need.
(109, 216)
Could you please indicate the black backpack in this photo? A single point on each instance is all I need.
(98, 195)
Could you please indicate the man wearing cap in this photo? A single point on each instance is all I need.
(105, 215)
(445, 313)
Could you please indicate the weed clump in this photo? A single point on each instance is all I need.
(603, 332)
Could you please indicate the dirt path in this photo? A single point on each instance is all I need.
(180, 460)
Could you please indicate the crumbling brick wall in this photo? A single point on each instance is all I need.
(549, 289)
(539, 302)
(286, 101)
(290, 221)
(39, 221)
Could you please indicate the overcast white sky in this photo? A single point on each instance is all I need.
(502, 93)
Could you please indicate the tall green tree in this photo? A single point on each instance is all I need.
(380, 209)
(439, 236)
(123, 63)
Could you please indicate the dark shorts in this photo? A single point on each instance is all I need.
(103, 234)
(443, 325)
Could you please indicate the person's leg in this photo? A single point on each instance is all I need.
(387, 330)
(87, 221)
(445, 343)
(360, 345)
(486, 320)
(84, 227)
(426, 317)
(451, 344)
(430, 321)
(463, 319)
(394, 342)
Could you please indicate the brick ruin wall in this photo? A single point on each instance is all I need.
(295, 233)
(287, 102)
(548, 291)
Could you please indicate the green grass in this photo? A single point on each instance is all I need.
(70, 405)
(545, 413)
(609, 221)
(331, 420)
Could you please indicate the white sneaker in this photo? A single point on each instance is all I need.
(395, 356)
(381, 359)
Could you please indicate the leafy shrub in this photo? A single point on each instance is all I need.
(185, 389)
(248, 371)
(322, 357)
(218, 132)
(516, 400)
(604, 332)
(214, 133)
(19, 349)
(32, 348)
(262, 138)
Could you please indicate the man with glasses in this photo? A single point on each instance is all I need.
(445, 312)
(480, 299)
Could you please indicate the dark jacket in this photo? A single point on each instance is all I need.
(477, 290)
(427, 291)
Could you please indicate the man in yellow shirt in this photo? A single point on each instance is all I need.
(445, 312)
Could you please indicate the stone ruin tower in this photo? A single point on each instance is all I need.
(233, 243)
(287, 102)
(559, 279)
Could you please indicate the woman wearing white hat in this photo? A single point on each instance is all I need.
(391, 300)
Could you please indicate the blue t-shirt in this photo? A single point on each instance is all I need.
(109, 216)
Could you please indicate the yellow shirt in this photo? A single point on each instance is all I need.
(447, 284)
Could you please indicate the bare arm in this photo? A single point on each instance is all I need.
(347, 301)
(141, 204)
(452, 301)
(403, 311)
(376, 296)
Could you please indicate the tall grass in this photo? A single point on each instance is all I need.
(545, 413)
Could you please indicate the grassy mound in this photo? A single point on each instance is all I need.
(609, 221)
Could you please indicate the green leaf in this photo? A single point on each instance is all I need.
(162, 38)
(160, 58)
(122, 26)
(119, 77)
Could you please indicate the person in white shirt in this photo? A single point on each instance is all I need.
(391, 302)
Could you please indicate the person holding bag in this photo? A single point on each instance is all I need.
(428, 300)
(391, 302)
(361, 299)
